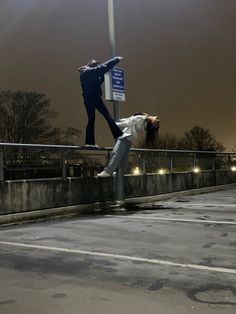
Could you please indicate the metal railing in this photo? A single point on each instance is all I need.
(28, 161)
(169, 161)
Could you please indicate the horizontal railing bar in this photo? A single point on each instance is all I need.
(77, 147)
(59, 147)
(182, 151)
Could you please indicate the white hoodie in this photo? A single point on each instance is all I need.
(132, 126)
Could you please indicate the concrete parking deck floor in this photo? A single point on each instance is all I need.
(176, 256)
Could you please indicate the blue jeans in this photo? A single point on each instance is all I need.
(119, 156)
(91, 103)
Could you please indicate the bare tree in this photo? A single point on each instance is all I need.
(196, 138)
(168, 141)
(25, 117)
(200, 139)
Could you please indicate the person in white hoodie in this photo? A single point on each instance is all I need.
(131, 127)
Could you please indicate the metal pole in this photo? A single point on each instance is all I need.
(214, 168)
(111, 26)
(1, 166)
(171, 172)
(63, 164)
(143, 164)
(171, 163)
(111, 20)
(214, 162)
(194, 159)
(116, 109)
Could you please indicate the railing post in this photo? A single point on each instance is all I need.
(214, 162)
(143, 164)
(1, 166)
(214, 168)
(195, 175)
(171, 163)
(64, 164)
(119, 179)
(229, 160)
(119, 182)
(194, 159)
(171, 173)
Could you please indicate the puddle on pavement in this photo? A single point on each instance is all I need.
(214, 295)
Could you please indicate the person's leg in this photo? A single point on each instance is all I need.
(115, 130)
(125, 159)
(90, 109)
(120, 151)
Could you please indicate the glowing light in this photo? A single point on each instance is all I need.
(233, 168)
(162, 171)
(196, 169)
(136, 171)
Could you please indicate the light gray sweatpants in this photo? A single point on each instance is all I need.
(119, 156)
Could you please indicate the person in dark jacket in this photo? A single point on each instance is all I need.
(91, 78)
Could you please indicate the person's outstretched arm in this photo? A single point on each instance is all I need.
(106, 66)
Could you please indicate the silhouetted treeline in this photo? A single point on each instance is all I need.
(26, 117)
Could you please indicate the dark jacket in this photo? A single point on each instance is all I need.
(91, 78)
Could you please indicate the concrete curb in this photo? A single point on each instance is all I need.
(162, 197)
(50, 213)
(70, 211)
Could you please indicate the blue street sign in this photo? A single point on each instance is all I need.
(118, 84)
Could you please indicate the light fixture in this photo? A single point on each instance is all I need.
(233, 168)
(196, 169)
(161, 171)
(136, 171)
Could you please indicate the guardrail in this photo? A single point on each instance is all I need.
(25, 161)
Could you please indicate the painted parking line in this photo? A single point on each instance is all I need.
(206, 204)
(121, 257)
(221, 222)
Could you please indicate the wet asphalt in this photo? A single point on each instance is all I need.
(175, 256)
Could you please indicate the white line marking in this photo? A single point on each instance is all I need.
(175, 219)
(122, 257)
(205, 204)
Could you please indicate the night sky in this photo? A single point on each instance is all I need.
(179, 58)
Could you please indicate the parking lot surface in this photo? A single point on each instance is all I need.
(175, 256)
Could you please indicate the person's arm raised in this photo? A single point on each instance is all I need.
(108, 65)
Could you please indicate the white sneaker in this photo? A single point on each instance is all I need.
(103, 174)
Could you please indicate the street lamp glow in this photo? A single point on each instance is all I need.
(136, 171)
(161, 171)
(196, 169)
(233, 168)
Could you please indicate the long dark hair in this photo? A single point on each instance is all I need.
(152, 128)
(151, 132)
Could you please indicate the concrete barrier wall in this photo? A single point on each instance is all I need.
(27, 195)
